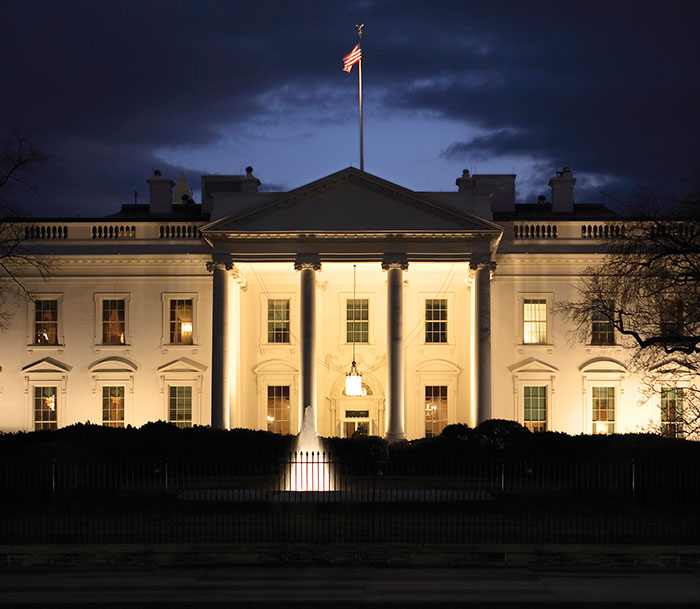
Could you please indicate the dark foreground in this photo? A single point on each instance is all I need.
(350, 587)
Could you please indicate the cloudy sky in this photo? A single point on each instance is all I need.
(115, 89)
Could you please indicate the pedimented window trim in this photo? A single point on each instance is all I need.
(534, 372)
(113, 370)
(437, 366)
(604, 366)
(182, 365)
(46, 372)
(183, 372)
(602, 372)
(533, 366)
(273, 372)
(47, 365)
(674, 366)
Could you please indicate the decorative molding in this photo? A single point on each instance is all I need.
(307, 261)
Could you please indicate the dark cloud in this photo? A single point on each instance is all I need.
(608, 88)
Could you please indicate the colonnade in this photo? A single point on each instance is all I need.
(308, 265)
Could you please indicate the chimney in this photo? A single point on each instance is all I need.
(563, 191)
(161, 194)
(499, 188)
(250, 183)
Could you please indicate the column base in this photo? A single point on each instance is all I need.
(392, 438)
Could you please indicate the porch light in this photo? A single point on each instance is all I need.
(353, 379)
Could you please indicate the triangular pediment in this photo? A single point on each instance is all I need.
(47, 365)
(349, 201)
(533, 365)
(182, 364)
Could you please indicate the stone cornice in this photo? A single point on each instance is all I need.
(355, 235)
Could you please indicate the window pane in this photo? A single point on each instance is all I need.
(46, 322)
(113, 406)
(535, 406)
(671, 318)
(357, 320)
(180, 406)
(113, 316)
(672, 412)
(602, 332)
(181, 321)
(435, 320)
(278, 409)
(278, 320)
(535, 321)
(435, 410)
(603, 406)
(45, 408)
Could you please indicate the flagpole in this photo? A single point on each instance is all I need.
(359, 83)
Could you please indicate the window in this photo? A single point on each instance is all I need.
(603, 407)
(278, 320)
(45, 408)
(180, 405)
(357, 320)
(113, 406)
(113, 321)
(672, 412)
(435, 410)
(356, 423)
(535, 321)
(278, 409)
(181, 321)
(602, 331)
(435, 320)
(671, 318)
(46, 322)
(535, 407)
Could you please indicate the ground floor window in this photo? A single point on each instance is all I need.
(45, 408)
(278, 409)
(180, 405)
(672, 412)
(356, 423)
(603, 410)
(535, 408)
(435, 410)
(113, 406)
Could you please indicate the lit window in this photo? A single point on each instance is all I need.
(535, 321)
(46, 322)
(356, 423)
(602, 331)
(113, 406)
(181, 321)
(672, 412)
(278, 320)
(535, 408)
(603, 410)
(278, 409)
(45, 408)
(435, 410)
(435, 320)
(180, 405)
(357, 320)
(113, 321)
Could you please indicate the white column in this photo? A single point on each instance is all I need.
(396, 407)
(482, 315)
(308, 265)
(220, 357)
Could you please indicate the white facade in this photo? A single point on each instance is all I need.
(144, 318)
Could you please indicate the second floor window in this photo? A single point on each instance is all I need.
(535, 321)
(436, 320)
(671, 318)
(46, 322)
(602, 331)
(357, 320)
(181, 321)
(278, 320)
(113, 321)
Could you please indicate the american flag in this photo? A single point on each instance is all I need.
(352, 58)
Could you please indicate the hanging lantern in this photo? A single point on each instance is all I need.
(353, 379)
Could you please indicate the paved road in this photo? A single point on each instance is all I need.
(360, 585)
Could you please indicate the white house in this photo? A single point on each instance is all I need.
(242, 310)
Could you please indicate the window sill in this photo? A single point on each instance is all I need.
(194, 347)
(42, 347)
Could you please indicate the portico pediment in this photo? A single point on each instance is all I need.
(349, 201)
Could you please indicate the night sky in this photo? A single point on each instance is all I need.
(114, 90)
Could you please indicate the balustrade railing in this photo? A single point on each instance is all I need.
(113, 231)
(45, 231)
(602, 231)
(535, 231)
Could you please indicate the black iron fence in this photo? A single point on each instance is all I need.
(477, 498)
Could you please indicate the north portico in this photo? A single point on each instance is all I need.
(286, 312)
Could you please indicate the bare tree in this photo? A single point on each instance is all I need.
(19, 158)
(647, 289)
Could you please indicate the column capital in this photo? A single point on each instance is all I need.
(480, 264)
(395, 261)
(307, 261)
(221, 262)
